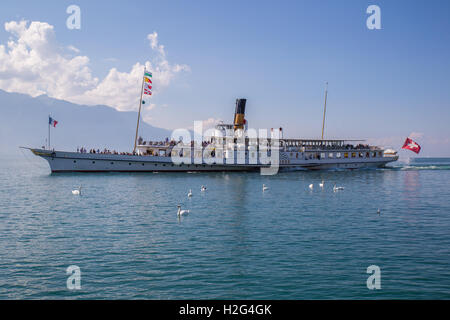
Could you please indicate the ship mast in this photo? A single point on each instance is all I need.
(324, 108)
(139, 114)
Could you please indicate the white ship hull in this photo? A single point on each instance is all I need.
(61, 161)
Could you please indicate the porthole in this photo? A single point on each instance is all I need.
(112, 162)
(74, 161)
(93, 161)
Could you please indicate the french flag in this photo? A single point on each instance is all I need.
(52, 122)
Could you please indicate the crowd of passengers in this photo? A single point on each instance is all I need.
(104, 151)
(337, 147)
(171, 143)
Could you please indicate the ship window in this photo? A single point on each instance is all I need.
(353, 154)
(322, 155)
(338, 155)
(379, 154)
(142, 164)
(156, 165)
(129, 163)
(164, 165)
(330, 155)
(93, 161)
(346, 155)
(296, 155)
(361, 154)
(74, 161)
(112, 162)
(367, 154)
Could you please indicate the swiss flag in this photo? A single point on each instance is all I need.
(411, 145)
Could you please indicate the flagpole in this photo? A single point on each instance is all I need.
(324, 108)
(48, 132)
(139, 114)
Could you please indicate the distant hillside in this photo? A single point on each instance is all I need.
(24, 122)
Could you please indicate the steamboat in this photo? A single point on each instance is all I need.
(231, 147)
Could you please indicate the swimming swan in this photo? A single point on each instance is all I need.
(77, 191)
(182, 212)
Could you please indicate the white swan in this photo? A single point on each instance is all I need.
(190, 193)
(337, 188)
(311, 186)
(265, 187)
(321, 184)
(182, 212)
(77, 191)
(203, 188)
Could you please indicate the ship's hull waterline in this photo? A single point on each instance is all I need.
(61, 161)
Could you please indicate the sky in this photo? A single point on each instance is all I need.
(384, 85)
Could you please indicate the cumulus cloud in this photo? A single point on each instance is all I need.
(34, 63)
(162, 69)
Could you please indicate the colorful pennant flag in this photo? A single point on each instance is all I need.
(148, 83)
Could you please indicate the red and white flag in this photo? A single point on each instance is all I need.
(411, 145)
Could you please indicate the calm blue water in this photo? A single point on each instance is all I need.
(237, 242)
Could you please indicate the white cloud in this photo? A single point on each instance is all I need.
(416, 135)
(74, 49)
(210, 123)
(34, 63)
(162, 69)
(207, 126)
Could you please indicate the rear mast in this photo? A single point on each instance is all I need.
(324, 108)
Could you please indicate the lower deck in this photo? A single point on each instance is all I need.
(61, 161)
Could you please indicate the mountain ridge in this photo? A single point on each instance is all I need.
(24, 122)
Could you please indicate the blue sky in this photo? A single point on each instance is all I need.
(383, 84)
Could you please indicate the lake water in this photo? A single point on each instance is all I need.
(237, 242)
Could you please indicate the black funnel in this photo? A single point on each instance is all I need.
(240, 106)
